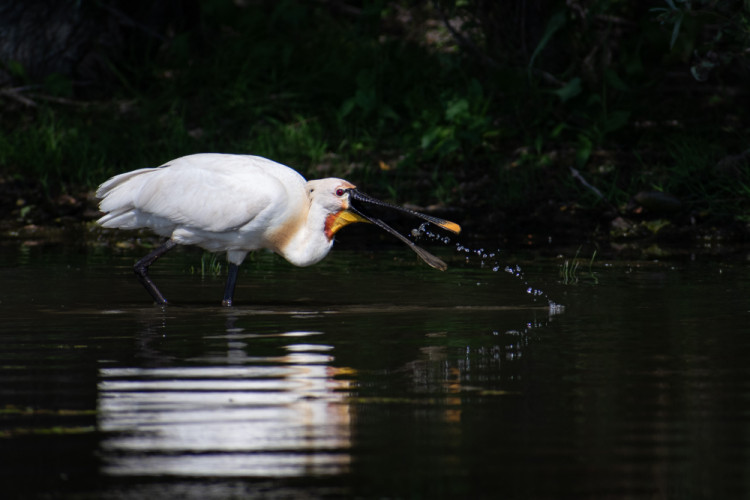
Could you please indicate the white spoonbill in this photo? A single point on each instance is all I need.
(236, 204)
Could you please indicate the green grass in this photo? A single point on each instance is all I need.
(334, 95)
(571, 272)
(211, 265)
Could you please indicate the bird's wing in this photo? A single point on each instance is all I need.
(211, 192)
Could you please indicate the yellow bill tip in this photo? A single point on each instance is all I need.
(450, 226)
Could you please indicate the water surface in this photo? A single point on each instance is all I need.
(372, 375)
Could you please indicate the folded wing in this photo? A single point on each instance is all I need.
(209, 192)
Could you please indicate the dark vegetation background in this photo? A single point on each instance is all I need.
(526, 120)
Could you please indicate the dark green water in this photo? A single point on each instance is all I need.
(371, 375)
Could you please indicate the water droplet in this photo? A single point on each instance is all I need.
(555, 308)
(487, 260)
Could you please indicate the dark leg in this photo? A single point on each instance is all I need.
(141, 271)
(231, 282)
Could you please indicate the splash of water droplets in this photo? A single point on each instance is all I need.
(488, 260)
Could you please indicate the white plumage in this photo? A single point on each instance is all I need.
(237, 204)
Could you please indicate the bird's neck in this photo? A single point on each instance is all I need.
(310, 243)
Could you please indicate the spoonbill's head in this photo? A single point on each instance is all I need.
(346, 205)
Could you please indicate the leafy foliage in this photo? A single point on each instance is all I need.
(473, 103)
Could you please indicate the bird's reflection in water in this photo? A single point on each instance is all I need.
(282, 415)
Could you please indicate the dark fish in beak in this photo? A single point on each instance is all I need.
(361, 198)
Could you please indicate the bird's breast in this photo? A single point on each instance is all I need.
(281, 236)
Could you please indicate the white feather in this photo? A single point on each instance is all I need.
(221, 202)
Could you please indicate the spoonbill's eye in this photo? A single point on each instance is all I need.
(340, 192)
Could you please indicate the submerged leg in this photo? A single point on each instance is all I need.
(141, 271)
(231, 282)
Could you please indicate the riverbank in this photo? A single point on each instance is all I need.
(30, 216)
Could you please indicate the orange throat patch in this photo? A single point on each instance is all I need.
(342, 218)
